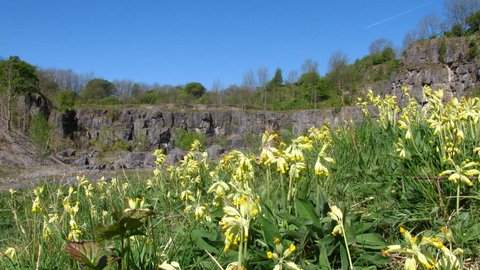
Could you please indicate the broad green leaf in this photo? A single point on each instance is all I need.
(269, 230)
(323, 262)
(90, 255)
(344, 258)
(306, 210)
(293, 220)
(127, 224)
(200, 237)
(371, 240)
(105, 232)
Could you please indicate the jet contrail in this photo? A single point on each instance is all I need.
(403, 13)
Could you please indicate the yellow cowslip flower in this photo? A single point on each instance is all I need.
(169, 266)
(447, 234)
(160, 156)
(296, 168)
(88, 190)
(74, 234)
(269, 255)
(292, 265)
(36, 205)
(138, 203)
(46, 230)
(186, 195)
(462, 172)
(336, 213)
(12, 192)
(236, 223)
(10, 253)
(415, 254)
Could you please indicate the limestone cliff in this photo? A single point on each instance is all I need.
(442, 63)
(156, 127)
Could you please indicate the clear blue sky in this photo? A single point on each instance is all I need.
(178, 41)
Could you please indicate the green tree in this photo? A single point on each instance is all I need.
(40, 130)
(16, 77)
(473, 22)
(308, 83)
(148, 97)
(195, 89)
(66, 100)
(97, 89)
(457, 12)
(388, 54)
(275, 84)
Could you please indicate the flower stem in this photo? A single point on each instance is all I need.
(346, 247)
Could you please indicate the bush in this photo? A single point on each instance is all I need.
(66, 100)
(40, 130)
(473, 51)
(184, 139)
(442, 51)
(109, 101)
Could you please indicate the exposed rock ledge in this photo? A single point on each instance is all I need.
(156, 128)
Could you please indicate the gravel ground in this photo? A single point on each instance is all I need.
(18, 178)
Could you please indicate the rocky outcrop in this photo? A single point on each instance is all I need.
(157, 128)
(442, 63)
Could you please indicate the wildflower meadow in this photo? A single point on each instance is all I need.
(398, 191)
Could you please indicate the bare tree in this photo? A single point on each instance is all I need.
(249, 79)
(262, 73)
(248, 87)
(216, 88)
(292, 79)
(410, 37)
(309, 66)
(457, 11)
(430, 26)
(124, 88)
(379, 45)
(337, 61)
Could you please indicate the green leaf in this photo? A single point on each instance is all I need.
(293, 220)
(90, 255)
(371, 240)
(126, 225)
(200, 237)
(344, 257)
(306, 210)
(323, 262)
(107, 232)
(269, 230)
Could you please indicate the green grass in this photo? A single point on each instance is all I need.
(272, 207)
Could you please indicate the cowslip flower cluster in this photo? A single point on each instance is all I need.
(75, 232)
(417, 254)
(282, 256)
(462, 172)
(236, 222)
(36, 206)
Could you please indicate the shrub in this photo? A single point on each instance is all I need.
(40, 130)
(473, 50)
(184, 139)
(442, 51)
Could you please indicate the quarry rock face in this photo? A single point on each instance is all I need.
(442, 63)
(156, 128)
